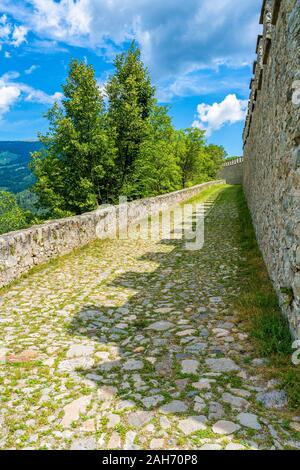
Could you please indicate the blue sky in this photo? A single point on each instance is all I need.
(199, 53)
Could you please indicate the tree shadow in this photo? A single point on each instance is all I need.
(143, 331)
(152, 348)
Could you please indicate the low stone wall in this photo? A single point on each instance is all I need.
(23, 249)
(232, 171)
(272, 151)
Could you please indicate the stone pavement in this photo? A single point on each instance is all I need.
(135, 345)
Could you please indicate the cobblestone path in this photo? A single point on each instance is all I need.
(135, 345)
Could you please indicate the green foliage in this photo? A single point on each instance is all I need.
(272, 333)
(231, 159)
(91, 155)
(156, 170)
(77, 158)
(190, 145)
(210, 163)
(29, 201)
(267, 325)
(12, 217)
(290, 379)
(198, 161)
(131, 100)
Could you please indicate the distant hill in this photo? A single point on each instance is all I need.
(15, 175)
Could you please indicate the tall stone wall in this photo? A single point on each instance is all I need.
(23, 249)
(272, 150)
(232, 172)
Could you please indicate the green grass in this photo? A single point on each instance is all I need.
(213, 191)
(257, 305)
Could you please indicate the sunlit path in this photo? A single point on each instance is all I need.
(135, 345)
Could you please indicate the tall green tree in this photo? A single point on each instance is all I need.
(12, 217)
(211, 161)
(190, 145)
(73, 169)
(156, 168)
(131, 100)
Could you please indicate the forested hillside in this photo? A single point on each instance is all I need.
(15, 175)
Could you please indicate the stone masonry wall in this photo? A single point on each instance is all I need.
(272, 151)
(232, 172)
(23, 249)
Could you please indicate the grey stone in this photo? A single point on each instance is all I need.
(203, 384)
(225, 427)
(175, 406)
(204, 332)
(164, 422)
(249, 420)
(78, 350)
(275, 399)
(236, 402)
(73, 410)
(161, 326)
(196, 347)
(157, 444)
(192, 424)
(234, 446)
(211, 447)
(113, 420)
(85, 443)
(152, 401)
(189, 366)
(124, 404)
(129, 441)
(139, 418)
(216, 411)
(133, 364)
(83, 362)
(222, 365)
(114, 441)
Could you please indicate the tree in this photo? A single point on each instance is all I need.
(91, 154)
(212, 161)
(156, 169)
(12, 217)
(131, 99)
(190, 145)
(74, 166)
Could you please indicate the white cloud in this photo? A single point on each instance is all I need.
(12, 91)
(5, 28)
(10, 34)
(31, 69)
(7, 55)
(179, 39)
(3, 19)
(203, 82)
(175, 35)
(38, 96)
(19, 35)
(213, 117)
(8, 97)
